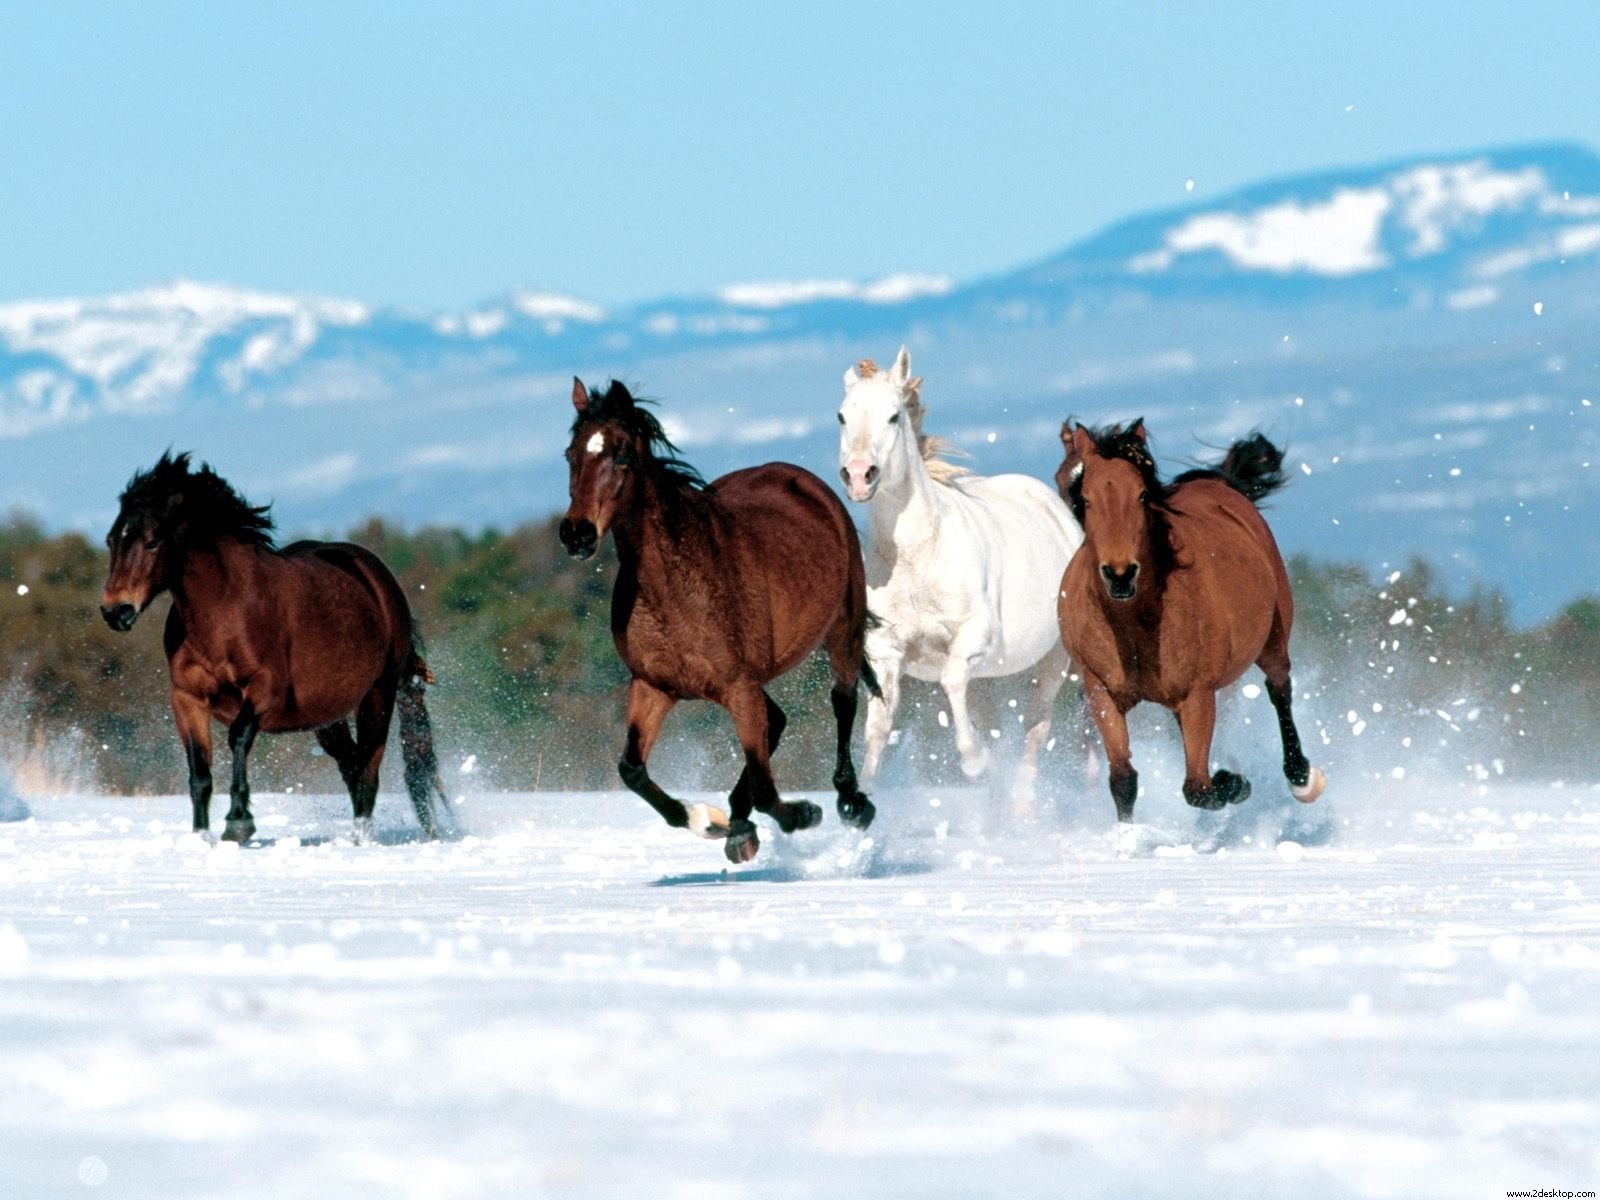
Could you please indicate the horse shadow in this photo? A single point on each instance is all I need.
(793, 873)
(378, 837)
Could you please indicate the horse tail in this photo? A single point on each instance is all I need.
(1253, 467)
(416, 741)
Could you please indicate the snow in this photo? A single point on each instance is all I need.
(892, 289)
(1389, 993)
(1338, 236)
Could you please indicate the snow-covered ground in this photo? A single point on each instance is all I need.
(573, 1000)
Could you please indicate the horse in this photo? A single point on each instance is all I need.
(721, 588)
(1178, 589)
(270, 640)
(961, 568)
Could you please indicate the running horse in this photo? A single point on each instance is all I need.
(1179, 587)
(270, 640)
(721, 588)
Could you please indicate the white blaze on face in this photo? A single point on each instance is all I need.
(597, 443)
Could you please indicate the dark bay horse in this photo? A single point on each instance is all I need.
(1178, 588)
(269, 640)
(722, 587)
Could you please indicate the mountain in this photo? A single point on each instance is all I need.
(1425, 335)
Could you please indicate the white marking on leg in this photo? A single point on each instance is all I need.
(707, 821)
(1311, 789)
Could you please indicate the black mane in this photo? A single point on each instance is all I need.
(206, 504)
(617, 404)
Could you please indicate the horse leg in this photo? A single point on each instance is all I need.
(966, 650)
(373, 715)
(1050, 672)
(881, 708)
(748, 707)
(844, 661)
(241, 826)
(193, 718)
(1305, 781)
(648, 707)
(337, 743)
(1197, 718)
(1112, 721)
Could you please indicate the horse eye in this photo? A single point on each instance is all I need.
(895, 420)
(1144, 497)
(153, 542)
(841, 418)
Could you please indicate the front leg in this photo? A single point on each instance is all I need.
(887, 663)
(1111, 718)
(193, 718)
(967, 649)
(241, 826)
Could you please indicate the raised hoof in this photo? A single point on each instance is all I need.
(742, 843)
(857, 812)
(1210, 799)
(797, 814)
(238, 831)
(707, 821)
(1311, 788)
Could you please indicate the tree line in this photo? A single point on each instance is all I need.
(530, 692)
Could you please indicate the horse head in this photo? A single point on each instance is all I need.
(162, 513)
(1108, 480)
(879, 422)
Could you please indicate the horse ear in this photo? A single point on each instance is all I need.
(1066, 433)
(1082, 444)
(901, 371)
(850, 377)
(1137, 429)
(580, 395)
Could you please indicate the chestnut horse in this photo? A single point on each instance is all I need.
(1178, 588)
(269, 640)
(722, 587)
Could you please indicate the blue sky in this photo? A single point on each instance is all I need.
(434, 155)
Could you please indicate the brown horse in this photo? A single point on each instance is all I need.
(269, 641)
(722, 587)
(1178, 588)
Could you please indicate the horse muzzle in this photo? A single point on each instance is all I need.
(579, 537)
(119, 616)
(1120, 584)
(860, 479)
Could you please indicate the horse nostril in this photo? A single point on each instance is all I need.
(120, 617)
(844, 475)
(872, 474)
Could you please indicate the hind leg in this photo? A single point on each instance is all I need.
(1050, 673)
(845, 664)
(373, 715)
(1305, 781)
(648, 707)
(887, 663)
(1197, 718)
(748, 707)
(1112, 721)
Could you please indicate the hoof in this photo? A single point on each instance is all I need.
(361, 833)
(857, 811)
(975, 765)
(742, 842)
(238, 831)
(707, 821)
(797, 814)
(1311, 788)
(1210, 799)
(1234, 789)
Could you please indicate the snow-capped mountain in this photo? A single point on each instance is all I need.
(1423, 334)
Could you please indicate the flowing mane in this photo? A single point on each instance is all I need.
(212, 509)
(929, 447)
(617, 404)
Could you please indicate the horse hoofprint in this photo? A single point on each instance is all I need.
(961, 568)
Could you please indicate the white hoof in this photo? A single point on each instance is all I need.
(1312, 787)
(361, 834)
(707, 821)
(973, 766)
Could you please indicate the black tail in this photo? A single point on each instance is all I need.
(1253, 466)
(416, 745)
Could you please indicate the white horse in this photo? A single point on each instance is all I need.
(962, 569)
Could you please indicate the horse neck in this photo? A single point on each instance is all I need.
(653, 537)
(906, 509)
(225, 571)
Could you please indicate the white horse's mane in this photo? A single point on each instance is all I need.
(931, 448)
